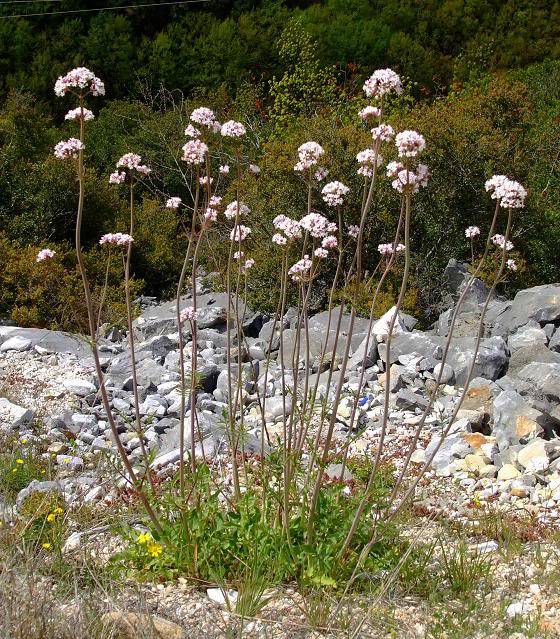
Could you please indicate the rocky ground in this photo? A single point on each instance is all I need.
(502, 453)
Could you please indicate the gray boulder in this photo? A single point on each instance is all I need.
(515, 420)
(491, 360)
(540, 303)
(13, 416)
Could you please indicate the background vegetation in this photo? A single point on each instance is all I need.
(483, 86)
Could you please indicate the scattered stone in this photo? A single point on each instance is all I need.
(131, 625)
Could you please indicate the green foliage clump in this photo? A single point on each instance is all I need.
(217, 542)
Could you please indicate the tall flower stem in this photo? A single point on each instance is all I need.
(180, 287)
(93, 335)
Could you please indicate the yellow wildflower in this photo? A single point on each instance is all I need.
(58, 511)
(24, 441)
(155, 550)
(51, 517)
(46, 546)
(19, 461)
(144, 538)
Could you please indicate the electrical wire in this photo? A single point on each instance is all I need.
(127, 6)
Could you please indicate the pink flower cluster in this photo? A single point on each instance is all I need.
(353, 231)
(500, 241)
(68, 148)
(79, 78)
(316, 225)
(117, 177)
(300, 269)
(509, 193)
(387, 249)
(320, 174)
(188, 314)
(247, 264)
(205, 117)
(333, 193)
(329, 242)
(369, 113)
(367, 158)
(239, 233)
(382, 81)
(133, 162)
(408, 181)
(236, 208)
(116, 239)
(291, 228)
(309, 154)
(194, 152)
(211, 213)
(173, 203)
(45, 254)
(472, 231)
(512, 266)
(79, 113)
(394, 168)
(224, 169)
(409, 143)
(192, 132)
(232, 129)
(383, 133)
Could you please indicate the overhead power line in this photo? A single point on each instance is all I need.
(125, 6)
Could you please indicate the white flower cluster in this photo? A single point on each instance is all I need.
(117, 177)
(382, 81)
(333, 193)
(368, 158)
(309, 154)
(236, 208)
(133, 162)
(68, 148)
(45, 254)
(116, 239)
(471, 232)
(387, 249)
(79, 78)
(173, 203)
(300, 269)
(79, 113)
(194, 152)
(232, 129)
(408, 181)
(383, 133)
(211, 213)
(288, 226)
(188, 314)
(409, 143)
(500, 241)
(205, 117)
(353, 231)
(315, 224)
(509, 193)
(239, 233)
(369, 113)
(247, 264)
(192, 132)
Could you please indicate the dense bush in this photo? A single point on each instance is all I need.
(37, 294)
(501, 121)
(228, 43)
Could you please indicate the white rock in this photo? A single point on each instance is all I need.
(219, 596)
(15, 343)
(533, 456)
(78, 386)
(13, 415)
(72, 543)
(381, 328)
